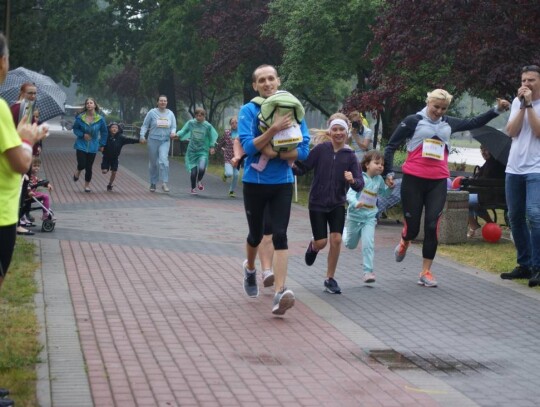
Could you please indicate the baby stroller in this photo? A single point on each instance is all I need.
(34, 204)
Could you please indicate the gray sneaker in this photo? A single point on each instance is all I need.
(250, 282)
(401, 250)
(283, 300)
(267, 278)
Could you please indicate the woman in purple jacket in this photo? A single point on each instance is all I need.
(336, 169)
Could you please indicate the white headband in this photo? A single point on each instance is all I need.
(341, 122)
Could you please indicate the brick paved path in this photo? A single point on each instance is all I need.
(143, 305)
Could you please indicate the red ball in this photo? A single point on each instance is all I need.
(456, 183)
(491, 232)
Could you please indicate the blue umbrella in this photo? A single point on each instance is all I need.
(50, 97)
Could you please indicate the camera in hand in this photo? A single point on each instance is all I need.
(356, 125)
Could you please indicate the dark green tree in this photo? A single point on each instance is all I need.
(324, 42)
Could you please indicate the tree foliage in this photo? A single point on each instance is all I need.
(65, 39)
(235, 28)
(324, 42)
(474, 46)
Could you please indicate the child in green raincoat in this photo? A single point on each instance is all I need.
(202, 139)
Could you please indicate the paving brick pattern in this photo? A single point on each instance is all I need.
(156, 293)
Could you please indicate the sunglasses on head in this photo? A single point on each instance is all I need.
(530, 68)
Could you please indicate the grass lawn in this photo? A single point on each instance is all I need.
(19, 345)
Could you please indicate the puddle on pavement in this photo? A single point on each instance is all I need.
(391, 359)
(431, 363)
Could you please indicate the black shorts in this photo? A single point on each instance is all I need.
(335, 219)
(109, 163)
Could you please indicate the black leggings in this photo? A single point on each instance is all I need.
(8, 234)
(322, 221)
(278, 198)
(85, 161)
(416, 194)
(197, 174)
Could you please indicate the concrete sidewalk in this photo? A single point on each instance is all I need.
(142, 304)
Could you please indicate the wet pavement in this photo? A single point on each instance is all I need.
(142, 304)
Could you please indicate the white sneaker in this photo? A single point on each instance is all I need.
(267, 277)
(165, 187)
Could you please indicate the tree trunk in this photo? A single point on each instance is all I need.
(166, 87)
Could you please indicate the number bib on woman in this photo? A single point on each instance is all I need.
(433, 148)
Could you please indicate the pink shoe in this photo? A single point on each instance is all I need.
(261, 165)
(369, 278)
(194, 191)
(200, 186)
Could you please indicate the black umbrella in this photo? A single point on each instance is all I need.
(497, 143)
(50, 97)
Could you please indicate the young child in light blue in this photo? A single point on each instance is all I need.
(362, 212)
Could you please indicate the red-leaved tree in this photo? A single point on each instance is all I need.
(476, 46)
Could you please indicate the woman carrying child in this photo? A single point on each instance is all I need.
(336, 169)
(362, 212)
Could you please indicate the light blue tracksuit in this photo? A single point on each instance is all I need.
(160, 125)
(361, 222)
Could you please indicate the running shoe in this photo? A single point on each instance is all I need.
(311, 254)
(109, 187)
(267, 277)
(518, 272)
(331, 286)
(232, 194)
(152, 187)
(224, 178)
(250, 281)
(200, 186)
(7, 403)
(535, 279)
(369, 278)
(194, 191)
(283, 300)
(165, 187)
(401, 250)
(426, 279)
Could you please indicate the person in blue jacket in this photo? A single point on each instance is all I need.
(91, 132)
(272, 187)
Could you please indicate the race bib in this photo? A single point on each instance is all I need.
(432, 148)
(368, 198)
(287, 139)
(162, 122)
